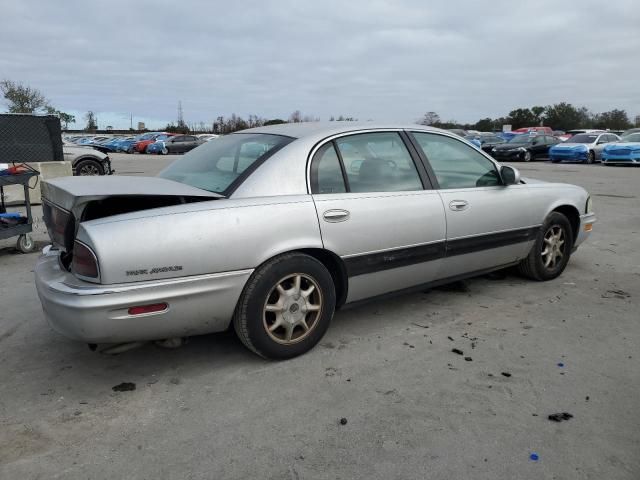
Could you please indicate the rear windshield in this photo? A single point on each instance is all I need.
(216, 164)
(583, 138)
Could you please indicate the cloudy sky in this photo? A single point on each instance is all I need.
(383, 60)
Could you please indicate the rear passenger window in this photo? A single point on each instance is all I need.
(456, 164)
(326, 174)
(378, 162)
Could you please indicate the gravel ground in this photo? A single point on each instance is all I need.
(413, 408)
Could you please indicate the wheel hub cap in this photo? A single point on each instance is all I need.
(553, 247)
(292, 309)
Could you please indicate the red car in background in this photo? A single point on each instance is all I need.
(539, 130)
(148, 138)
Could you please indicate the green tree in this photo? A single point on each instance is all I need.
(23, 99)
(614, 120)
(564, 116)
(484, 125)
(538, 112)
(522, 117)
(274, 121)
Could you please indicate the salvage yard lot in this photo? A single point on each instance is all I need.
(413, 408)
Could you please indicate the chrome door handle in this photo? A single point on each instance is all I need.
(458, 205)
(335, 216)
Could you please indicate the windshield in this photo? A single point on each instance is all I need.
(583, 138)
(632, 137)
(522, 139)
(215, 165)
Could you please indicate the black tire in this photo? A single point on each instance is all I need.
(252, 320)
(88, 167)
(533, 266)
(591, 157)
(527, 156)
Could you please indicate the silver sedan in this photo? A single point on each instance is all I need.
(272, 229)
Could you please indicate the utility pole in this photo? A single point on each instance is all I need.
(180, 115)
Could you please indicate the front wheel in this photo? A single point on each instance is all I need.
(164, 151)
(88, 167)
(527, 156)
(591, 157)
(286, 307)
(551, 251)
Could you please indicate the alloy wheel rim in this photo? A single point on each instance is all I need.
(88, 170)
(293, 309)
(527, 156)
(553, 250)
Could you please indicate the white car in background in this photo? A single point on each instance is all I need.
(86, 161)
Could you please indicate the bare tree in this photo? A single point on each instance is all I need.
(92, 121)
(295, 117)
(430, 118)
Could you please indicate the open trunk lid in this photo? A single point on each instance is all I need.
(70, 200)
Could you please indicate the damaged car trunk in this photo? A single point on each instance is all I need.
(69, 201)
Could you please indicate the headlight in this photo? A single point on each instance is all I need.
(589, 207)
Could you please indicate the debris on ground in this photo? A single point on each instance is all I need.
(616, 294)
(534, 457)
(586, 398)
(450, 338)
(457, 351)
(343, 421)
(174, 381)
(124, 387)
(506, 374)
(559, 417)
(561, 364)
(468, 359)
(418, 325)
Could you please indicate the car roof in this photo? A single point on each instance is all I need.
(327, 129)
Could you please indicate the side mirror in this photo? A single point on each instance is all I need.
(510, 175)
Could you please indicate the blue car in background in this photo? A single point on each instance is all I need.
(583, 147)
(625, 152)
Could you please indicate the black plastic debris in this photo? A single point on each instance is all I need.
(457, 351)
(343, 421)
(124, 387)
(505, 374)
(468, 359)
(559, 417)
(450, 338)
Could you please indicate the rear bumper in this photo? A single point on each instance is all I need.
(99, 313)
(586, 226)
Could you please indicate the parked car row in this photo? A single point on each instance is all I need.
(580, 145)
(150, 142)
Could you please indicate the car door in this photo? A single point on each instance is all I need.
(488, 224)
(601, 142)
(191, 142)
(377, 211)
(177, 144)
(539, 147)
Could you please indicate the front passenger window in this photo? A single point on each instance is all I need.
(456, 164)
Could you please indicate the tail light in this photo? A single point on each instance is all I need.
(84, 263)
(59, 224)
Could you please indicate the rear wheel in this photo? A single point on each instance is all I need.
(286, 306)
(527, 156)
(88, 167)
(551, 251)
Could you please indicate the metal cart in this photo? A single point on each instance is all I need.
(25, 242)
